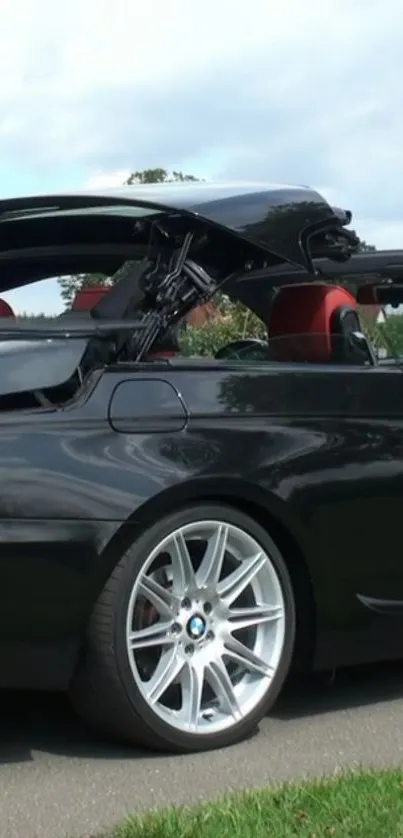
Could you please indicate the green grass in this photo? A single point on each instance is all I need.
(358, 804)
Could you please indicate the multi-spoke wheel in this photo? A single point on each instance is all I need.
(192, 637)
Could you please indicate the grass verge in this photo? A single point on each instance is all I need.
(359, 804)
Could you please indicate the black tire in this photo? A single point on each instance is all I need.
(103, 689)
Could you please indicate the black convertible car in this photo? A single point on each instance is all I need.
(176, 533)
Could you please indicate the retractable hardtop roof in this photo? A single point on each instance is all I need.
(278, 219)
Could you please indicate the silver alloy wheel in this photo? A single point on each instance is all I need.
(215, 627)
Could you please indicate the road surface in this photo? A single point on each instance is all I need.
(57, 781)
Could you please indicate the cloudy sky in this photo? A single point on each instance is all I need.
(304, 92)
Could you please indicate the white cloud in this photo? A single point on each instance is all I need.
(306, 92)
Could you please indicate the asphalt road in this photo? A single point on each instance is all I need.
(56, 780)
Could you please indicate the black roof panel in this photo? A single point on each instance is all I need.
(273, 217)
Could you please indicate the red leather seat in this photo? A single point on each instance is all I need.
(86, 298)
(310, 322)
(161, 355)
(5, 309)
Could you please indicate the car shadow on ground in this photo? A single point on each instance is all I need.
(346, 689)
(33, 722)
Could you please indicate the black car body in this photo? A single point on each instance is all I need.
(101, 444)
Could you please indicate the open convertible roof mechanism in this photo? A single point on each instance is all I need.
(182, 242)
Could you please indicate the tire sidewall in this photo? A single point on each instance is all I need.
(134, 561)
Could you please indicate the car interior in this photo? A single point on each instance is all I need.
(313, 322)
(308, 323)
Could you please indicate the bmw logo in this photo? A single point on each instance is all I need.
(196, 627)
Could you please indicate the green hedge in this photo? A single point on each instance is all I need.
(391, 333)
(205, 340)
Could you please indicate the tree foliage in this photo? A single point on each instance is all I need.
(159, 176)
(364, 247)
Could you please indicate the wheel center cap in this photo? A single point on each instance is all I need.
(196, 627)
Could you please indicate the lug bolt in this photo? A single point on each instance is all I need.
(189, 649)
(176, 628)
(207, 608)
(210, 635)
(186, 602)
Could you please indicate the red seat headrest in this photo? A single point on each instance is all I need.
(87, 298)
(302, 314)
(161, 354)
(5, 309)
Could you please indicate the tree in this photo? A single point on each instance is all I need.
(159, 176)
(364, 247)
(69, 285)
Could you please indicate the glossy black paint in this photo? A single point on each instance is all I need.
(383, 606)
(273, 217)
(315, 453)
(161, 406)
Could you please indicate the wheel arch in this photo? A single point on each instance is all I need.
(267, 510)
